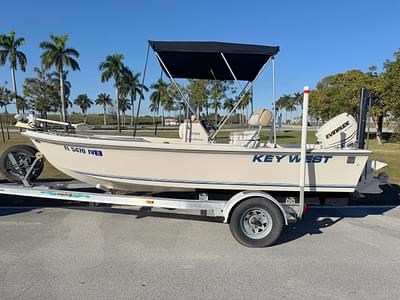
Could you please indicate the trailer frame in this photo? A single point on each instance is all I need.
(72, 191)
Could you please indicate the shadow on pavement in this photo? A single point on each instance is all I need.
(148, 212)
(5, 211)
(389, 196)
(318, 218)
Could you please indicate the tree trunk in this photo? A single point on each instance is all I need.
(116, 99)
(379, 126)
(132, 110)
(155, 127)
(8, 133)
(251, 101)
(2, 130)
(105, 118)
(63, 112)
(216, 113)
(14, 82)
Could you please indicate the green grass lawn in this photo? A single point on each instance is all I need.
(388, 153)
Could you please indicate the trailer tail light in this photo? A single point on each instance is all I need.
(305, 209)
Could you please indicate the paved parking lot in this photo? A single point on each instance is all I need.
(104, 253)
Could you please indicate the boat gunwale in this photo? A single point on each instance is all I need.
(143, 145)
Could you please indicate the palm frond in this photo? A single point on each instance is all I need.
(106, 75)
(19, 42)
(48, 46)
(71, 52)
(48, 58)
(22, 60)
(3, 57)
(69, 61)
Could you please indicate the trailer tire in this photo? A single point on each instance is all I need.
(256, 222)
(25, 156)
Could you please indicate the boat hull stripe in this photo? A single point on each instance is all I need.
(181, 181)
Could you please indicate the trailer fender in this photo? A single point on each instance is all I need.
(250, 194)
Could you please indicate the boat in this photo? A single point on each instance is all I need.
(133, 164)
(197, 160)
(267, 181)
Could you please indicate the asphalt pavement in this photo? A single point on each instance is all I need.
(125, 253)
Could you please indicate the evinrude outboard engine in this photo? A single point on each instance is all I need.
(339, 132)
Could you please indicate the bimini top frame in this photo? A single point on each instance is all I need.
(213, 61)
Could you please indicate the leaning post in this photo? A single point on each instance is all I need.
(303, 150)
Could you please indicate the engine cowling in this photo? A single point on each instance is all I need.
(339, 132)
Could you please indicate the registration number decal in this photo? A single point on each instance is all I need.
(93, 152)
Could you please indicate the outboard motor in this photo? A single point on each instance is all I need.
(339, 132)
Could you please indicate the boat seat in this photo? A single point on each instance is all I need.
(193, 132)
(251, 138)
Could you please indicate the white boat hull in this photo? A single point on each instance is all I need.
(132, 165)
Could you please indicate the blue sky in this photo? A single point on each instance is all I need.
(316, 38)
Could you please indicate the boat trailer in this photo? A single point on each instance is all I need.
(267, 215)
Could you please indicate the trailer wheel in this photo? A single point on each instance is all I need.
(256, 222)
(24, 156)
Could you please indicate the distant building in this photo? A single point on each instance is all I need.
(171, 122)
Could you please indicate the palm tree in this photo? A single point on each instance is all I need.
(124, 105)
(5, 99)
(131, 85)
(160, 96)
(8, 49)
(283, 103)
(298, 100)
(56, 53)
(55, 79)
(22, 104)
(84, 102)
(216, 105)
(291, 106)
(176, 99)
(154, 106)
(217, 93)
(229, 104)
(114, 67)
(180, 106)
(246, 102)
(104, 100)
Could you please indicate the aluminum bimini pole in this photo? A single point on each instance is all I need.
(246, 88)
(230, 70)
(177, 87)
(303, 151)
(274, 96)
(141, 91)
